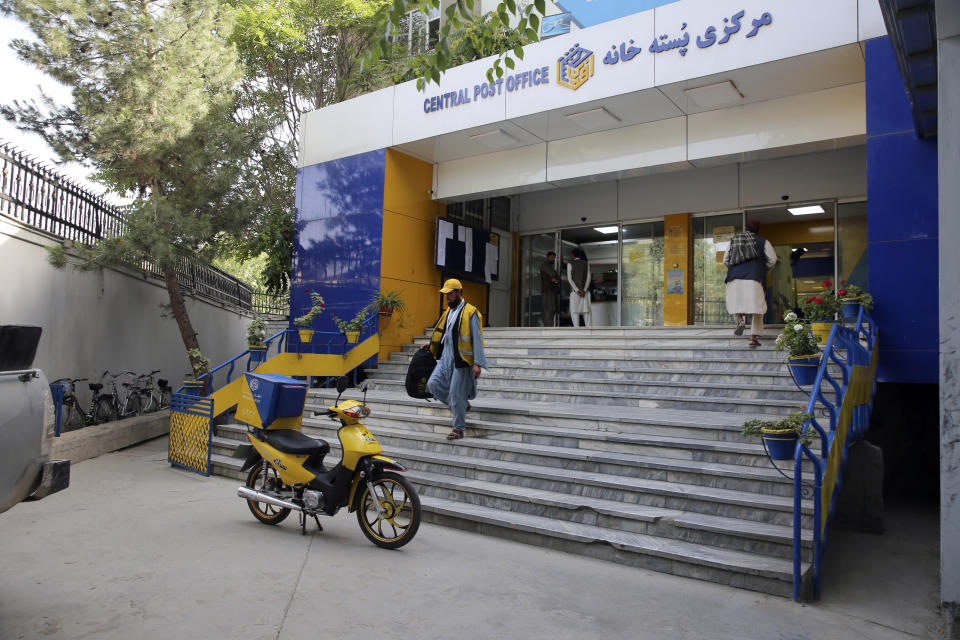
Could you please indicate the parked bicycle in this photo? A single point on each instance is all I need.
(72, 415)
(153, 398)
(114, 404)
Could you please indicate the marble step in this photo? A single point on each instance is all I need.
(675, 399)
(734, 477)
(745, 452)
(592, 387)
(747, 505)
(776, 376)
(724, 566)
(634, 492)
(726, 533)
(645, 420)
(743, 505)
(625, 353)
(701, 331)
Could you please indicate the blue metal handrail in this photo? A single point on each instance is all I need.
(856, 354)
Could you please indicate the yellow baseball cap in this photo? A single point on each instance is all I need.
(450, 285)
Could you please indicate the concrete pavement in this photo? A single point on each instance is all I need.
(137, 549)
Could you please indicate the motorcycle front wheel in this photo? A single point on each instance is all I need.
(399, 517)
(264, 479)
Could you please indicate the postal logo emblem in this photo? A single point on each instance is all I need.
(254, 384)
(574, 67)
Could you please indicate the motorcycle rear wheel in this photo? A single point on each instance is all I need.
(400, 507)
(271, 483)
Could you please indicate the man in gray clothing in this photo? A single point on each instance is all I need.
(549, 289)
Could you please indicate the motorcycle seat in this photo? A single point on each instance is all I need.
(293, 441)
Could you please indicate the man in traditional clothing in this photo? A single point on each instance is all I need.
(549, 289)
(578, 275)
(457, 344)
(748, 260)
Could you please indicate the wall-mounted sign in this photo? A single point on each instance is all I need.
(674, 281)
(575, 65)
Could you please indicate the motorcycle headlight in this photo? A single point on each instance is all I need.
(358, 412)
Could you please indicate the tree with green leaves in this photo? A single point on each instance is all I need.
(298, 56)
(154, 115)
(511, 25)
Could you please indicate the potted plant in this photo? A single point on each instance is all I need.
(352, 328)
(386, 303)
(305, 322)
(852, 298)
(200, 365)
(801, 345)
(779, 436)
(821, 311)
(256, 334)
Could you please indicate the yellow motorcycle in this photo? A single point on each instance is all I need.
(286, 470)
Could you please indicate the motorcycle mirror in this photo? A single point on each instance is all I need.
(342, 383)
(364, 389)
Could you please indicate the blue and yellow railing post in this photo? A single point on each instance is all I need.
(849, 419)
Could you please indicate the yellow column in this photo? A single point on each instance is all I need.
(406, 261)
(677, 270)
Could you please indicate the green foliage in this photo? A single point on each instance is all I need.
(153, 114)
(298, 55)
(198, 362)
(793, 422)
(388, 301)
(57, 256)
(502, 33)
(479, 37)
(354, 324)
(306, 320)
(853, 291)
(797, 338)
(256, 332)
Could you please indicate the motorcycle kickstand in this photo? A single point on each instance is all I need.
(317, 520)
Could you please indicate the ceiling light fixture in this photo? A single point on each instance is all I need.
(715, 95)
(593, 119)
(496, 139)
(612, 229)
(806, 211)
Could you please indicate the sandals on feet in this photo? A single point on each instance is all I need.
(740, 328)
(754, 342)
(454, 435)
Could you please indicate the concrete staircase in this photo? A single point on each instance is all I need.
(617, 443)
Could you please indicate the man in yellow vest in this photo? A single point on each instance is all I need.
(457, 344)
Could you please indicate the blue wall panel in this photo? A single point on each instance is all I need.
(902, 225)
(888, 107)
(339, 231)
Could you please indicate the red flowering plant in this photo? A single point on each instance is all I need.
(855, 293)
(822, 306)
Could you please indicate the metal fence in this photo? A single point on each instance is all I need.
(274, 304)
(41, 198)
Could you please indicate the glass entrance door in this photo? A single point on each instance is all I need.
(533, 252)
(805, 244)
(641, 269)
(711, 236)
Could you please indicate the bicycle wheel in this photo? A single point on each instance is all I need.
(148, 402)
(104, 411)
(131, 405)
(72, 417)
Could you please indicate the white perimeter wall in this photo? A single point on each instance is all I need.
(108, 319)
(833, 174)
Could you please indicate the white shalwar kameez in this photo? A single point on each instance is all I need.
(579, 305)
